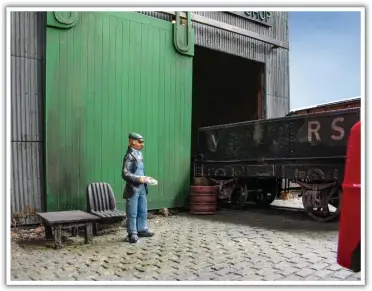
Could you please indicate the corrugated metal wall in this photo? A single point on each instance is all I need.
(27, 139)
(277, 60)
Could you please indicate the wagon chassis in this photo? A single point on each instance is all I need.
(261, 183)
(308, 150)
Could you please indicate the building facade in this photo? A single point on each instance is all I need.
(258, 36)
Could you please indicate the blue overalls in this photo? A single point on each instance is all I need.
(136, 205)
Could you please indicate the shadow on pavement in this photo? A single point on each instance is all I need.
(272, 218)
(25, 240)
(41, 242)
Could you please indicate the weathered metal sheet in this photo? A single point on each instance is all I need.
(277, 68)
(277, 31)
(295, 145)
(27, 181)
(307, 137)
(249, 141)
(28, 34)
(263, 17)
(27, 59)
(157, 14)
(276, 106)
(322, 135)
(111, 74)
(242, 46)
(27, 99)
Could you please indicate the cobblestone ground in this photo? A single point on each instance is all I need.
(248, 245)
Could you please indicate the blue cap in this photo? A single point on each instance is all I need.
(135, 136)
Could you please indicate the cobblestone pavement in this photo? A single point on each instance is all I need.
(250, 245)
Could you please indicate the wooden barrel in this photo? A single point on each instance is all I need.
(203, 199)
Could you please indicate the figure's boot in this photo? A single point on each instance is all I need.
(145, 233)
(133, 239)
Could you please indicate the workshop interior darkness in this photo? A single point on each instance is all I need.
(226, 89)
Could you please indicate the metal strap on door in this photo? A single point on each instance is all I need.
(183, 35)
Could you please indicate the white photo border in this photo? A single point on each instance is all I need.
(156, 5)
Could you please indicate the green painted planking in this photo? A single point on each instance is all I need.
(110, 74)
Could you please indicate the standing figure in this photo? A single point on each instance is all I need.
(136, 190)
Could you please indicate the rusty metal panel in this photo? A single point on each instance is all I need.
(252, 141)
(26, 99)
(321, 135)
(26, 180)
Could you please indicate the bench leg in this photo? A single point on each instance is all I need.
(57, 233)
(88, 233)
(95, 228)
(48, 232)
(74, 231)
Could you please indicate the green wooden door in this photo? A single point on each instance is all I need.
(108, 74)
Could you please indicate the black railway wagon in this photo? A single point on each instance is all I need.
(250, 159)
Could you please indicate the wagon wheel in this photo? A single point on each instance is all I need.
(265, 199)
(268, 195)
(240, 196)
(332, 200)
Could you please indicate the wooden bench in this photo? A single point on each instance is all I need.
(101, 203)
(55, 222)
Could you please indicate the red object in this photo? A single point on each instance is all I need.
(348, 253)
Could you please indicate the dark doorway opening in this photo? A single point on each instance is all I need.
(226, 89)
